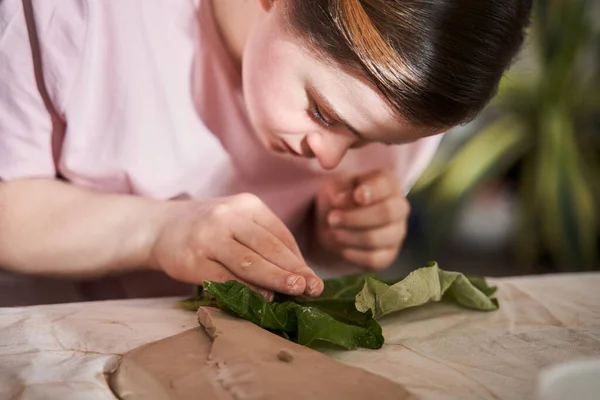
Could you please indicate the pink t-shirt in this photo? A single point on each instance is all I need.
(140, 97)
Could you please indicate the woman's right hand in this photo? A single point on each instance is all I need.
(235, 237)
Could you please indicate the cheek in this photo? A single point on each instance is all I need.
(273, 88)
(260, 92)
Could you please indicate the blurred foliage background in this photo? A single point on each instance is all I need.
(522, 181)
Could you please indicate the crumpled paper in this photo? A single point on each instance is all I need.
(437, 351)
(443, 352)
(62, 351)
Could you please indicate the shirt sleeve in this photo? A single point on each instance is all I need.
(414, 158)
(37, 63)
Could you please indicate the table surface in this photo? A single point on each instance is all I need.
(437, 351)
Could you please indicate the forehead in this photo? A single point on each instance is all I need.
(346, 88)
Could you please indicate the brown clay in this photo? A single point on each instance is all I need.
(228, 358)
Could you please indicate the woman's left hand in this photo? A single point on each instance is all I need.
(362, 218)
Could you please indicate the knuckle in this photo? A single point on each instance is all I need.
(248, 199)
(273, 246)
(222, 211)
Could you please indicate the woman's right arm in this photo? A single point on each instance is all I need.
(53, 228)
(48, 227)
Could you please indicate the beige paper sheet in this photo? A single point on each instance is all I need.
(436, 352)
(444, 352)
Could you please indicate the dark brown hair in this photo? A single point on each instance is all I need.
(437, 62)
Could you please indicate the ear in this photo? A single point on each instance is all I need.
(266, 5)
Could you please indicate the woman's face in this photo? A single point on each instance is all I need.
(301, 105)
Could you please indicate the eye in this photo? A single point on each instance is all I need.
(319, 118)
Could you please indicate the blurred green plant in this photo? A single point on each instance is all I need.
(545, 126)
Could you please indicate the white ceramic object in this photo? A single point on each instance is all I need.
(574, 380)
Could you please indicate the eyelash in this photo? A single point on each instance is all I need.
(318, 117)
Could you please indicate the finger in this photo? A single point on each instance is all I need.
(252, 267)
(271, 248)
(376, 215)
(375, 187)
(214, 271)
(389, 236)
(343, 199)
(338, 191)
(263, 216)
(372, 259)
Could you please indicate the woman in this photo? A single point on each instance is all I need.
(191, 137)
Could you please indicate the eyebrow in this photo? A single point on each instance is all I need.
(314, 93)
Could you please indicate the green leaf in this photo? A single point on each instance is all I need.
(344, 288)
(339, 315)
(481, 284)
(422, 286)
(336, 322)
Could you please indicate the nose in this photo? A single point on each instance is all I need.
(329, 149)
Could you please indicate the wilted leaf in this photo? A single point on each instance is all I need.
(422, 286)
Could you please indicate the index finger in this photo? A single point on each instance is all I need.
(270, 247)
(263, 216)
(376, 186)
(276, 232)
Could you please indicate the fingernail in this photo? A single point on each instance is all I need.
(334, 219)
(292, 281)
(313, 287)
(266, 294)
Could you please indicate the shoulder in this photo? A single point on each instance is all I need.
(413, 158)
(46, 35)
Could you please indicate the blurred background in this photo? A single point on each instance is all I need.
(517, 191)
